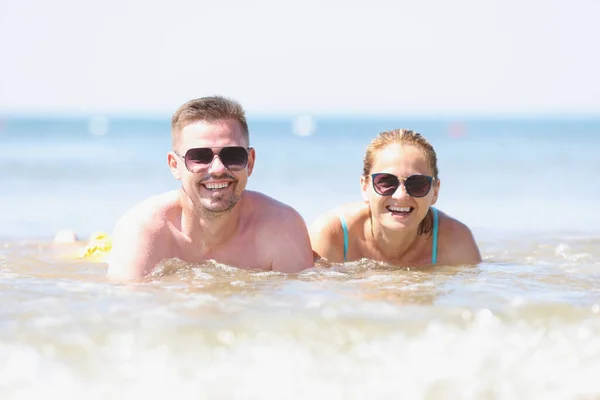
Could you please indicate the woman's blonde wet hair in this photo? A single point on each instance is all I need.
(403, 137)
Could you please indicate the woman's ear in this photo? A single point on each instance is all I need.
(436, 191)
(364, 188)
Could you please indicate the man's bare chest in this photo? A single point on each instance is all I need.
(240, 253)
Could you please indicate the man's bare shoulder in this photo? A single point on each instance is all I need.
(266, 208)
(268, 216)
(153, 212)
(141, 237)
(281, 231)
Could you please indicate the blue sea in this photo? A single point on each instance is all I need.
(500, 175)
(524, 324)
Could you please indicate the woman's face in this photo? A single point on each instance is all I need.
(400, 210)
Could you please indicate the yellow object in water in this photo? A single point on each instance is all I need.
(98, 247)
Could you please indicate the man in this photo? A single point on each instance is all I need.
(212, 216)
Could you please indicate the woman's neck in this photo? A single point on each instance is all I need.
(391, 245)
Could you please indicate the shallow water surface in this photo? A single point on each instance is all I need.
(523, 324)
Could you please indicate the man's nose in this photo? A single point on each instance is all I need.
(216, 166)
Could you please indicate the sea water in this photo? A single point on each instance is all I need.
(523, 324)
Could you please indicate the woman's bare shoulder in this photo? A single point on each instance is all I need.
(456, 243)
(350, 212)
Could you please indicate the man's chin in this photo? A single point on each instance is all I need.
(217, 209)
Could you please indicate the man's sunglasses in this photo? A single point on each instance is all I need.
(415, 185)
(234, 158)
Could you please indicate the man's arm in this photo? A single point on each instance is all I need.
(289, 243)
(136, 247)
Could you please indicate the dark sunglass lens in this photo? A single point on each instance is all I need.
(385, 184)
(199, 158)
(418, 185)
(234, 158)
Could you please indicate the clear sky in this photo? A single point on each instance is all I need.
(309, 56)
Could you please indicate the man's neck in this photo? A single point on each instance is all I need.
(209, 230)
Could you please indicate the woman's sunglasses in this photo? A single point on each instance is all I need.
(415, 185)
(234, 158)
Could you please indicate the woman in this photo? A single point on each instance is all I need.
(396, 222)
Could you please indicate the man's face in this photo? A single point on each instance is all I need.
(213, 189)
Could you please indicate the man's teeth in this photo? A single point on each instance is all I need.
(213, 186)
(399, 209)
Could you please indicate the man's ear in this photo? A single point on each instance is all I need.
(173, 160)
(251, 159)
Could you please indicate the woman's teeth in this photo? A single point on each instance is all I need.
(400, 209)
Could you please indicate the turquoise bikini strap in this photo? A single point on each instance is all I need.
(345, 229)
(435, 236)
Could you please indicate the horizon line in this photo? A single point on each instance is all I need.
(5, 115)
